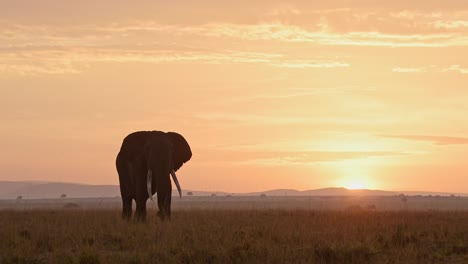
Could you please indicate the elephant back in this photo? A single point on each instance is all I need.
(133, 145)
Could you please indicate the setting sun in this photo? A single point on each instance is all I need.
(355, 186)
(357, 173)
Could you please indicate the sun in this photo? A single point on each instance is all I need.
(354, 183)
(355, 186)
(356, 174)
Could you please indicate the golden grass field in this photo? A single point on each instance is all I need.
(234, 236)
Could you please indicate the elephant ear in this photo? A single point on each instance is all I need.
(181, 148)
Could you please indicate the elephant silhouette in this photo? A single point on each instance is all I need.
(145, 162)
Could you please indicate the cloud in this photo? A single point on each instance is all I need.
(312, 64)
(283, 10)
(438, 140)
(303, 92)
(325, 36)
(456, 68)
(48, 48)
(290, 158)
(432, 68)
(361, 30)
(25, 69)
(454, 24)
(35, 61)
(239, 119)
(408, 70)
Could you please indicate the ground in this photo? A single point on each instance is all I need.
(353, 235)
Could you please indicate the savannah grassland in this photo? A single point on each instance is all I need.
(234, 236)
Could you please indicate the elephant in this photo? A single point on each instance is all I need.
(144, 163)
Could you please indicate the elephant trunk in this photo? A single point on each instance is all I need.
(174, 177)
(149, 180)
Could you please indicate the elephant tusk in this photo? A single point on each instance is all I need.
(174, 177)
(149, 179)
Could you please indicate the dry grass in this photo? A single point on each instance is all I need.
(238, 236)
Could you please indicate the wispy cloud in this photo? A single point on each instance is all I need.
(408, 70)
(325, 36)
(34, 61)
(33, 49)
(438, 140)
(239, 119)
(324, 32)
(26, 69)
(432, 68)
(454, 24)
(283, 10)
(456, 68)
(291, 158)
(302, 92)
(312, 64)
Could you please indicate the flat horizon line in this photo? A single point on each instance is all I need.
(251, 192)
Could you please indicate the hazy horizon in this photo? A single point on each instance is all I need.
(269, 94)
(15, 191)
(184, 190)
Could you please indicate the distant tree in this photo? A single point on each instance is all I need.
(228, 195)
(263, 195)
(19, 198)
(63, 195)
(190, 193)
(213, 194)
(371, 207)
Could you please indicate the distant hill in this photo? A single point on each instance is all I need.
(43, 190)
(51, 190)
(325, 192)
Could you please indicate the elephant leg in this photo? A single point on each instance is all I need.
(140, 213)
(127, 208)
(168, 204)
(164, 199)
(141, 197)
(125, 179)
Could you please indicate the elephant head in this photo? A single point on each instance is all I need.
(179, 151)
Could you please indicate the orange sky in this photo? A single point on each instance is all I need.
(269, 94)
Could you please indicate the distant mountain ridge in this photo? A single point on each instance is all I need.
(334, 191)
(45, 190)
(51, 190)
